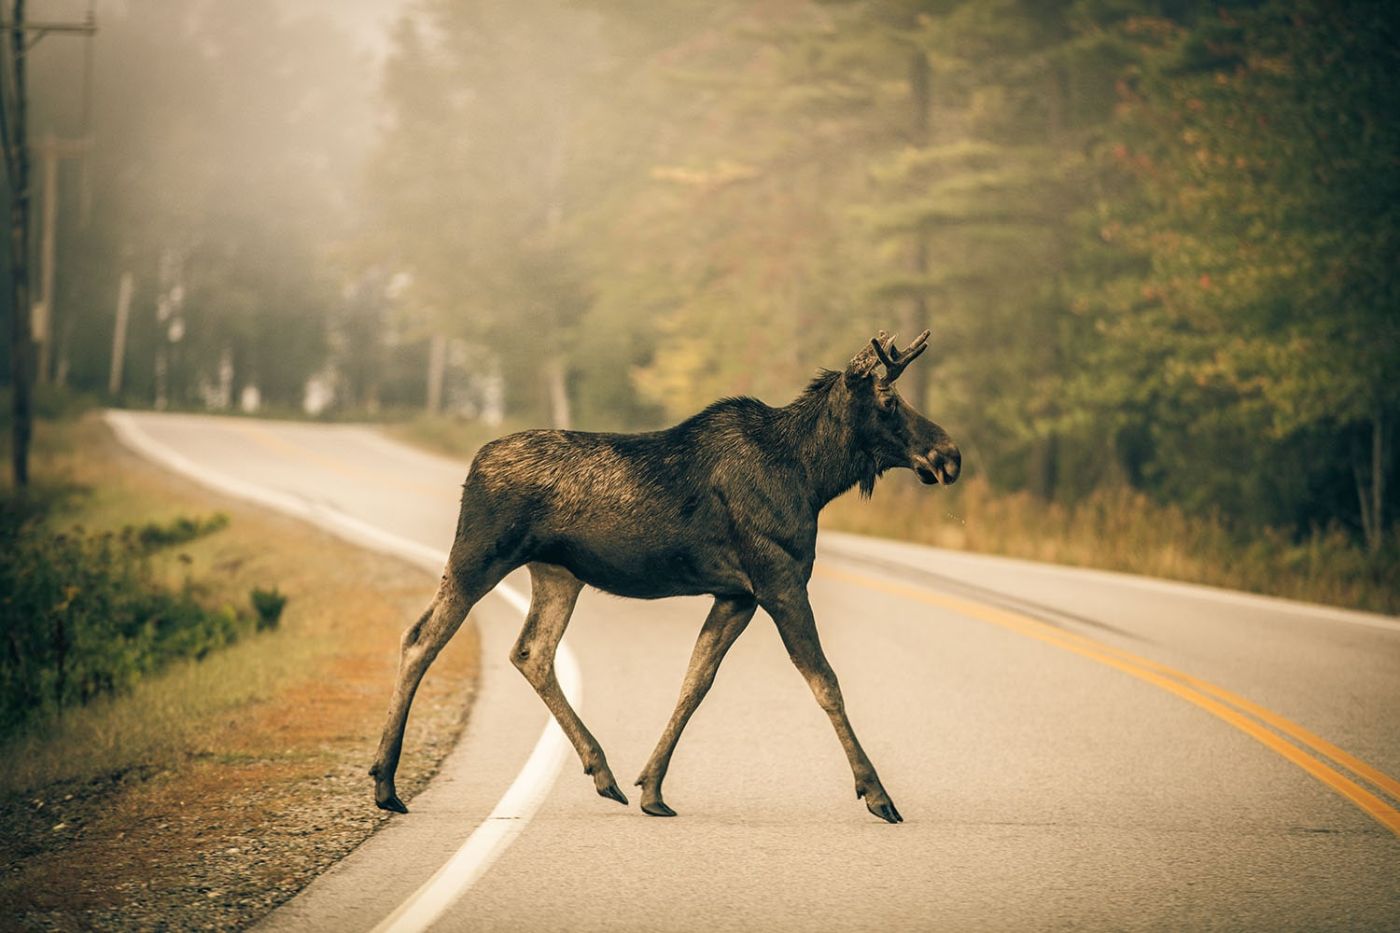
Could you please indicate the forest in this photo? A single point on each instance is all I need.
(1155, 241)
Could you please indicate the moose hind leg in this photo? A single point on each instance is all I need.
(420, 645)
(726, 622)
(553, 593)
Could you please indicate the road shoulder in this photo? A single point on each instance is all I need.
(251, 796)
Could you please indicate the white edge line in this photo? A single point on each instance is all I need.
(525, 794)
(510, 817)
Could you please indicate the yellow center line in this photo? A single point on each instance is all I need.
(268, 439)
(1183, 685)
(1311, 739)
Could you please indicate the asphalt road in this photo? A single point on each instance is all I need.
(1070, 749)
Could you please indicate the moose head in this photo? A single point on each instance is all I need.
(888, 428)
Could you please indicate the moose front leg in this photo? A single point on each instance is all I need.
(553, 592)
(727, 620)
(792, 613)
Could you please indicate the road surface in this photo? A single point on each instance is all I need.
(1069, 748)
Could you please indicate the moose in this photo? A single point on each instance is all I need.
(723, 504)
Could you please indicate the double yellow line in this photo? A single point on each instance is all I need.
(1215, 700)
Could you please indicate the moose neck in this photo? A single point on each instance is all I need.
(817, 425)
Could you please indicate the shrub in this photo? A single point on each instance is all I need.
(268, 605)
(153, 537)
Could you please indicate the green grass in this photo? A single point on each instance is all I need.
(162, 720)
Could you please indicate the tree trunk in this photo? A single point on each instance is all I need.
(556, 383)
(114, 375)
(1377, 482)
(1045, 468)
(1372, 499)
(437, 369)
(63, 353)
(21, 348)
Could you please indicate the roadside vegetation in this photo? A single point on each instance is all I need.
(1124, 530)
(459, 438)
(215, 774)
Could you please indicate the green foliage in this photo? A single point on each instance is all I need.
(83, 616)
(1253, 168)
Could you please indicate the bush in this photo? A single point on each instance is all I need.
(268, 605)
(153, 537)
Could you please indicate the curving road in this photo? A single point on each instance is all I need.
(1069, 748)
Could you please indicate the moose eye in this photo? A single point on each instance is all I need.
(886, 401)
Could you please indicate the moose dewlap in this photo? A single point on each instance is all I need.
(724, 503)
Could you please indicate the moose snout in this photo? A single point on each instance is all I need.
(939, 465)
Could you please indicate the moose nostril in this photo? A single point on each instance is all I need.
(947, 464)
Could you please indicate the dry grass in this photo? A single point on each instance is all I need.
(1120, 529)
(218, 788)
(449, 436)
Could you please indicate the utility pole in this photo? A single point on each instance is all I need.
(14, 135)
(17, 170)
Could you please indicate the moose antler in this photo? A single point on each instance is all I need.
(894, 360)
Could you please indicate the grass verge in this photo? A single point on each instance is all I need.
(1120, 529)
(217, 788)
(448, 436)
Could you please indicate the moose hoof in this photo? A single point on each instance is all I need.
(613, 792)
(390, 802)
(884, 811)
(657, 808)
